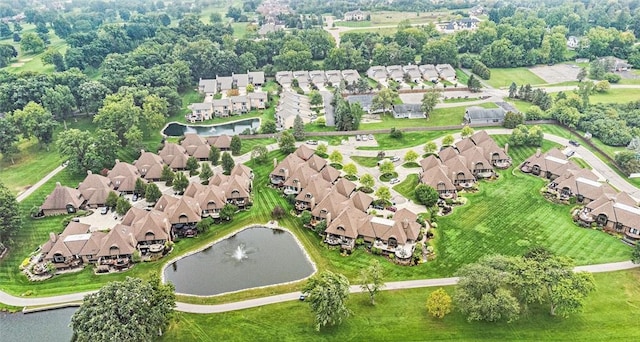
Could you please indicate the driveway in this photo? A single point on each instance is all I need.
(327, 96)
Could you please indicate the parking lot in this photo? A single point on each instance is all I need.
(556, 73)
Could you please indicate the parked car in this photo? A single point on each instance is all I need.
(134, 198)
(378, 207)
(394, 181)
(104, 210)
(571, 153)
(395, 159)
(370, 136)
(574, 143)
(312, 142)
(302, 297)
(364, 137)
(392, 209)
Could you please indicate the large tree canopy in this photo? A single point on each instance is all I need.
(129, 310)
(327, 295)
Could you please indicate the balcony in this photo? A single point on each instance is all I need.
(291, 191)
(302, 205)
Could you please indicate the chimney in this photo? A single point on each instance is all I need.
(117, 161)
(142, 151)
(506, 148)
(53, 237)
(89, 172)
(328, 218)
(275, 162)
(133, 240)
(58, 184)
(538, 152)
(405, 224)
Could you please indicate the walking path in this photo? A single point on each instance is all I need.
(251, 303)
(35, 187)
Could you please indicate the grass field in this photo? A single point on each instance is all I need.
(609, 315)
(616, 96)
(502, 77)
(407, 187)
(365, 161)
(409, 139)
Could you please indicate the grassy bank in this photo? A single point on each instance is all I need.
(609, 315)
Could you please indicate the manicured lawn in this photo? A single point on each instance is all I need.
(249, 144)
(609, 315)
(616, 96)
(365, 161)
(502, 77)
(407, 187)
(520, 153)
(353, 23)
(409, 139)
(581, 162)
(462, 76)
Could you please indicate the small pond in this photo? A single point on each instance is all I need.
(50, 326)
(175, 129)
(253, 257)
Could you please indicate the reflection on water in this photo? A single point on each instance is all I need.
(175, 129)
(50, 326)
(250, 258)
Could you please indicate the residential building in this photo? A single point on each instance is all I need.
(548, 165)
(334, 77)
(174, 155)
(408, 111)
(95, 189)
(446, 72)
(616, 213)
(350, 76)
(377, 73)
(395, 73)
(413, 71)
(356, 15)
(123, 176)
(290, 106)
(63, 200)
(479, 115)
(429, 72)
(284, 78)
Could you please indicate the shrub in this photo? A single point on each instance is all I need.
(612, 78)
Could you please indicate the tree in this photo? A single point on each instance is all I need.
(298, 128)
(8, 138)
(129, 310)
(602, 86)
(260, 154)
(411, 156)
(429, 100)
(278, 212)
(384, 100)
(118, 114)
(387, 167)
(327, 294)
(31, 43)
(122, 206)
(635, 254)
(86, 150)
(192, 165)
(53, 56)
(513, 90)
(269, 127)
(154, 111)
(321, 149)
(306, 217)
(426, 195)
(287, 142)
(205, 172)
(582, 74)
(153, 193)
(513, 119)
(483, 293)
(214, 155)
(439, 303)
(430, 147)
(228, 211)
(140, 187)
(34, 120)
(367, 180)
(315, 99)
(335, 157)
(59, 100)
(234, 13)
(180, 182)
(447, 140)
(350, 169)
(92, 93)
(467, 131)
(236, 145)
(167, 175)
(7, 53)
(474, 84)
(372, 280)
(227, 163)
(383, 193)
(10, 218)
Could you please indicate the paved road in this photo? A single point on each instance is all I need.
(327, 97)
(35, 187)
(251, 303)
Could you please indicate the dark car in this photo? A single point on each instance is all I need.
(392, 209)
(574, 143)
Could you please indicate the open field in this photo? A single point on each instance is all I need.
(609, 315)
(502, 77)
(616, 96)
(31, 61)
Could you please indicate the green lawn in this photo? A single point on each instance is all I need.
(407, 187)
(609, 315)
(353, 23)
(249, 144)
(409, 139)
(439, 117)
(365, 161)
(616, 96)
(462, 76)
(502, 77)
(581, 162)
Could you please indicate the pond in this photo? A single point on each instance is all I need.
(254, 257)
(50, 326)
(175, 129)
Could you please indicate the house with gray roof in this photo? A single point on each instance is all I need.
(350, 76)
(429, 72)
(414, 72)
(395, 73)
(365, 101)
(446, 72)
(479, 115)
(377, 73)
(408, 111)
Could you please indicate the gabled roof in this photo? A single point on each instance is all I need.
(475, 156)
(447, 153)
(153, 225)
(333, 204)
(479, 113)
(287, 166)
(347, 223)
(317, 188)
(201, 152)
(222, 141)
(465, 144)
(185, 209)
(345, 187)
(480, 136)
(304, 152)
(300, 177)
(242, 80)
(174, 155)
(329, 173)
(361, 201)
(438, 179)
(191, 141)
(241, 170)
(95, 188)
(119, 241)
(256, 77)
(61, 196)
(429, 162)
(458, 165)
(224, 83)
(316, 162)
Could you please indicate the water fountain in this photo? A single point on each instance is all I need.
(239, 253)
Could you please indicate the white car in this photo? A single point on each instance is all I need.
(395, 159)
(394, 181)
